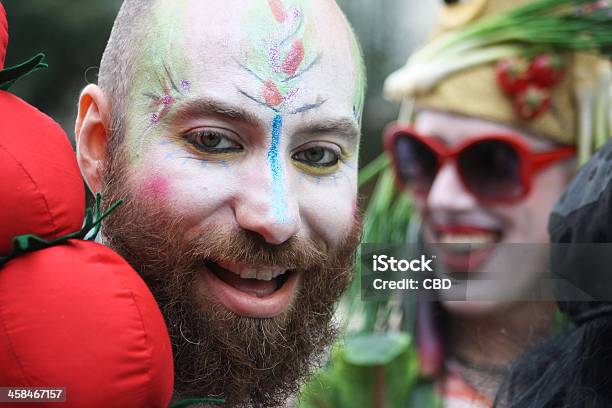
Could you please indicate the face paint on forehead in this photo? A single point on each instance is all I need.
(280, 50)
(166, 95)
(358, 99)
(160, 79)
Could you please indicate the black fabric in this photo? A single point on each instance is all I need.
(583, 216)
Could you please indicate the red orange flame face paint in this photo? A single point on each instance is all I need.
(279, 55)
(277, 61)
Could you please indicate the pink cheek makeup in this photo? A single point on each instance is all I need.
(157, 188)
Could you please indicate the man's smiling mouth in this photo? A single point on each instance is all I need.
(251, 290)
(258, 281)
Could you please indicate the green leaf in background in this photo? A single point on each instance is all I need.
(375, 349)
(386, 221)
(423, 395)
(376, 366)
(348, 385)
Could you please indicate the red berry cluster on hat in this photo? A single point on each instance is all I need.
(73, 313)
(530, 82)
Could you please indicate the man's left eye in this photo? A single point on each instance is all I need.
(317, 157)
(212, 141)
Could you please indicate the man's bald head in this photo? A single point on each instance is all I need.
(120, 56)
(116, 67)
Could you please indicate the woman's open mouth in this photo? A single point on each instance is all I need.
(251, 290)
(463, 248)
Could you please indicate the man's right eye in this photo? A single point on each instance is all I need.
(212, 141)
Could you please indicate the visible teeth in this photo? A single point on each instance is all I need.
(265, 273)
(468, 242)
(247, 272)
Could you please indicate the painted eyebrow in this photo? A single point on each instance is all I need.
(212, 107)
(345, 128)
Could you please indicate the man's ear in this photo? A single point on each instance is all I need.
(91, 135)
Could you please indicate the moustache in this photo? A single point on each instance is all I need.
(219, 244)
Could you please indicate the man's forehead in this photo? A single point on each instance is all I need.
(272, 51)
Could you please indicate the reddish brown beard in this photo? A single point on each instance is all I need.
(217, 353)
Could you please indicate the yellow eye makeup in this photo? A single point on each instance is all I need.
(318, 160)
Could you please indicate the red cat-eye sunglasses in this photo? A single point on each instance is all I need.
(495, 168)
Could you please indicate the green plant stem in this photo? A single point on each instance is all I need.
(372, 169)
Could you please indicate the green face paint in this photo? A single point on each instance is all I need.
(358, 98)
(161, 76)
(279, 50)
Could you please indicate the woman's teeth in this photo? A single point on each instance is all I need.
(265, 273)
(468, 242)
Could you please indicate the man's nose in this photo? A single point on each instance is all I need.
(448, 192)
(265, 205)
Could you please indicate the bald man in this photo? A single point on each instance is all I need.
(231, 130)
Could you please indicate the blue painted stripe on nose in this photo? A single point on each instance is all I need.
(278, 194)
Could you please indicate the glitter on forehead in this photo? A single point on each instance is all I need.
(161, 99)
(185, 85)
(295, 13)
(278, 193)
(159, 84)
(294, 58)
(279, 57)
(276, 61)
(164, 98)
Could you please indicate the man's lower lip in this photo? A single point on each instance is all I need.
(248, 305)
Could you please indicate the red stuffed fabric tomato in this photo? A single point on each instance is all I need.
(78, 316)
(41, 188)
(73, 313)
(3, 36)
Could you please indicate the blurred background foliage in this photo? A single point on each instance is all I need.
(73, 34)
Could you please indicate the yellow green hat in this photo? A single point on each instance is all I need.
(457, 71)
